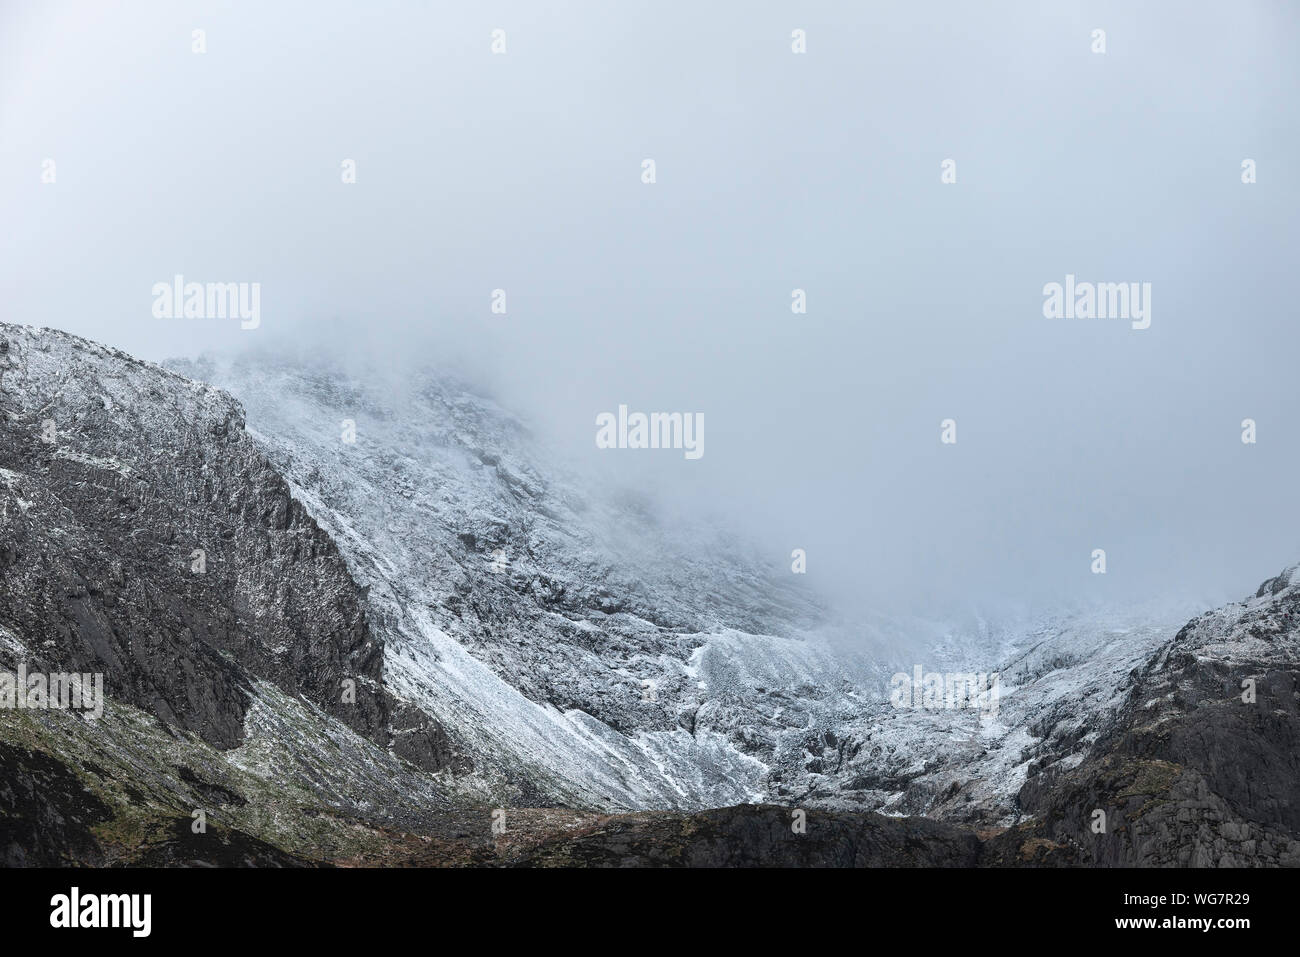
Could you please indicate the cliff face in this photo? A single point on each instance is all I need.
(576, 649)
(1201, 766)
(145, 537)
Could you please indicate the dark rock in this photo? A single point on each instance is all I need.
(46, 813)
(98, 534)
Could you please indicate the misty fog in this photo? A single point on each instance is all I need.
(775, 171)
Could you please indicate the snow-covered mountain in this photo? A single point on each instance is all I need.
(560, 629)
(576, 650)
(408, 610)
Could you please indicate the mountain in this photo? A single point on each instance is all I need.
(576, 650)
(344, 616)
(1200, 767)
(143, 536)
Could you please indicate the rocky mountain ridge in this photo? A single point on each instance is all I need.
(352, 623)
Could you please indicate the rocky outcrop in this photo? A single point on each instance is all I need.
(144, 536)
(46, 813)
(1202, 765)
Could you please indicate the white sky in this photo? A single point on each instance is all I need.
(775, 171)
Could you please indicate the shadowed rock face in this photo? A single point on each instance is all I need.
(47, 816)
(45, 812)
(217, 848)
(114, 474)
(761, 836)
(1190, 773)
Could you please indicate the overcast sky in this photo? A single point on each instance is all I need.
(775, 170)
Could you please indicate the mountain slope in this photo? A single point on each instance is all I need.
(390, 640)
(1195, 770)
(178, 566)
(224, 676)
(579, 649)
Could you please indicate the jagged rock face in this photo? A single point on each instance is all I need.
(1060, 682)
(1186, 772)
(114, 474)
(1192, 772)
(573, 649)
